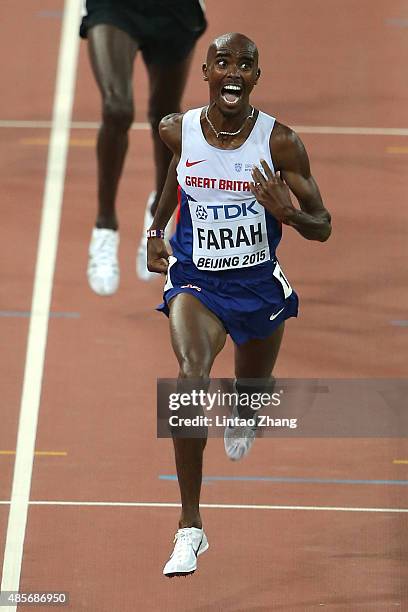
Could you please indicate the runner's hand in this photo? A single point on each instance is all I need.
(157, 255)
(272, 192)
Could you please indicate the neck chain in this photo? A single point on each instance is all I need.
(218, 134)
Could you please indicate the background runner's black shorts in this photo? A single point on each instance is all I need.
(166, 30)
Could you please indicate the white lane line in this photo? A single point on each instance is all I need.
(43, 280)
(301, 129)
(96, 504)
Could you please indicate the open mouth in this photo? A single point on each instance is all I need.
(231, 93)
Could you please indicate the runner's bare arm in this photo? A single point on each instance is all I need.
(312, 221)
(170, 133)
(157, 254)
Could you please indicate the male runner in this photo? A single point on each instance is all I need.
(235, 166)
(165, 31)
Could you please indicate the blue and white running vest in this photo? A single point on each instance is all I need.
(222, 227)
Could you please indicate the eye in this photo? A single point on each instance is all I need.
(246, 66)
(221, 63)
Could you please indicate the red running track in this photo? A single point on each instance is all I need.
(323, 65)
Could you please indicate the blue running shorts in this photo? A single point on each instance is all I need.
(248, 308)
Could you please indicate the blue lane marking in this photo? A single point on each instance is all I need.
(400, 323)
(26, 313)
(54, 14)
(293, 480)
(397, 22)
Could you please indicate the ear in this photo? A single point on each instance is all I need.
(258, 74)
(205, 72)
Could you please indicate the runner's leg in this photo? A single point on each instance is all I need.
(167, 83)
(197, 337)
(112, 53)
(256, 358)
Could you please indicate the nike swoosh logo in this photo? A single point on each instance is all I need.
(189, 164)
(198, 548)
(273, 316)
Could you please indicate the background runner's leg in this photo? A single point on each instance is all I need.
(197, 337)
(112, 53)
(167, 83)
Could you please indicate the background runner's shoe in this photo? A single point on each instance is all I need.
(238, 439)
(103, 267)
(141, 255)
(189, 543)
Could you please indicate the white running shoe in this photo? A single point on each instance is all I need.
(103, 267)
(190, 542)
(141, 255)
(238, 439)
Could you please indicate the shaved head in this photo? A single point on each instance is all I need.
(232, 38)
(232, 61)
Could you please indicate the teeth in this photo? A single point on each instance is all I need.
(232, 87)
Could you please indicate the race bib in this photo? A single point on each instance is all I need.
(228, 236)
(287, 289)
